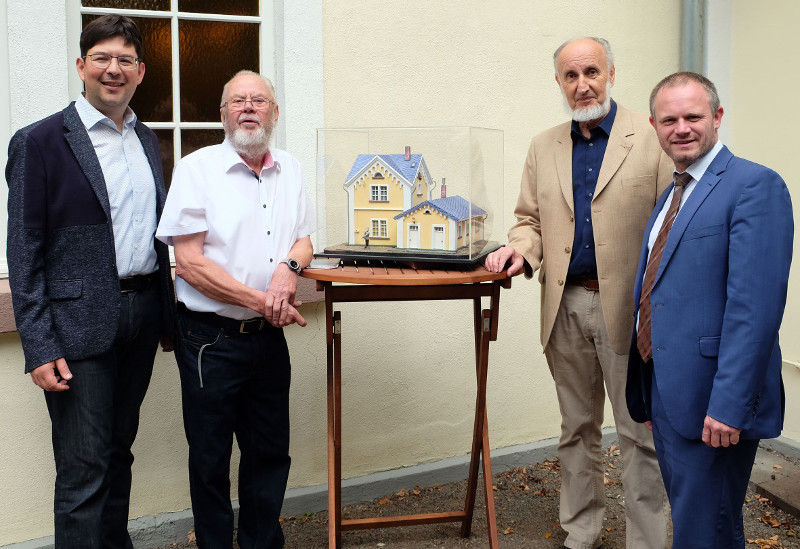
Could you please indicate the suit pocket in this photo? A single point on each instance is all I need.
(709, 346)
(701, 232)
(65, 289)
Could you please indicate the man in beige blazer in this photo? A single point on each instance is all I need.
(587, 191)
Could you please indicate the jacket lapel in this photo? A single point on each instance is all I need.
(563, 160)
(687, 211)
(78, 139)
(619, 145)
(154, 158)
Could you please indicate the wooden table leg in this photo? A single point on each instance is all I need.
(334, 355)
(480, 434)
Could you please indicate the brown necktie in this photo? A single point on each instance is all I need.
(643, 340)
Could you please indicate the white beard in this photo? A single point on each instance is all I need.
(250, 145)
(596, 112)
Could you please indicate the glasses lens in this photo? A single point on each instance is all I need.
(126, 62)
(100, 61)
(258, 103)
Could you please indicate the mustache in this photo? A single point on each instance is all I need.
(248, 118)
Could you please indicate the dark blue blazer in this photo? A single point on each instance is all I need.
(61, 253)
(717, 304)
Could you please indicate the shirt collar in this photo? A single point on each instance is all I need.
(699, 167)
(606, 124)
(232, 158)
(90, 116)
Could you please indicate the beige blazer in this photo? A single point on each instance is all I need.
(634, 173)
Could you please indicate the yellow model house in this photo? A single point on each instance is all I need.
(446, 223)
(381, 186)
(390, 204)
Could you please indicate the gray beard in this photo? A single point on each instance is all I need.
(597, 112)
(250, 145)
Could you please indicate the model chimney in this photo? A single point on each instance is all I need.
(408, 153)
(444, 188)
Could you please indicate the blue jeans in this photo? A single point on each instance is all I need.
(238, 384)
(94, 425)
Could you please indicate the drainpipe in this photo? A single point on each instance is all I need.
(693, 16)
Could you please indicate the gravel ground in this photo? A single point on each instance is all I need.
(526, 501)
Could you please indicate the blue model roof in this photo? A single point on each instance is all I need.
(454, 207)
(407, 168)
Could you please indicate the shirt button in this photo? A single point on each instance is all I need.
(587, 247)
(591, 144)
(560, 282)
(568, 249)
(588, 220)
(263, 205)
(270, 260)
(590, 169)
(268, 233)
(589, 194)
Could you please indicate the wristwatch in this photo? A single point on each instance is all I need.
(293, 264)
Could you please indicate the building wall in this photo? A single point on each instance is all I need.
(407, 398)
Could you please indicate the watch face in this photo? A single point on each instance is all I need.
(293, 265)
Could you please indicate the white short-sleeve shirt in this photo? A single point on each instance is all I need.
(251, 220)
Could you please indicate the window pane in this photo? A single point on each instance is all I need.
(159, 5)
(152, 101)
(210, 53)
(165, 145)
(231, 7)
(191, 140)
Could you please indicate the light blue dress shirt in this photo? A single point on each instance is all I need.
(131, 188)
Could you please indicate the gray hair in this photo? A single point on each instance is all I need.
(245, 72)
(602, 41)
(681, 79)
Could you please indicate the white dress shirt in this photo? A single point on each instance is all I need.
(251, 220)
(131, 188)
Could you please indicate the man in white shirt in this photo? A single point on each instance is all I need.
(239, 219)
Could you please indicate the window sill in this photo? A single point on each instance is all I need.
(306, 293)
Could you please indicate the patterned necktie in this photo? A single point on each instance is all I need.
(643, 340)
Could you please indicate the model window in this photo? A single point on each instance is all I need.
(379, 193)
(379, 228)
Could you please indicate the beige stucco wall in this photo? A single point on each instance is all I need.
(763, 126)
(408, 376)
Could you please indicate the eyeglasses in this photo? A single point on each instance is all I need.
(103, 60)
(259, 103)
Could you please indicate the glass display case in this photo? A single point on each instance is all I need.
(409, 196)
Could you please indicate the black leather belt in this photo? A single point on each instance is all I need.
(137, 283)
(249, 326)
(588, 283)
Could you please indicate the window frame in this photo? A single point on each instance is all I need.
(376, 191)
(382, 226)
(267, 57)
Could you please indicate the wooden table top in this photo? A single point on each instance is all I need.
(383, 276)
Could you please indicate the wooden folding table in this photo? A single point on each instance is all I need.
(372, 283)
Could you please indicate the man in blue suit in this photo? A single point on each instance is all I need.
(92, 289)
(705, 365)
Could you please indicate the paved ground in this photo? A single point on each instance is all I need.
(526, 501)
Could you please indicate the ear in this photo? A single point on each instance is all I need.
(80, 64)
(275, 118)
(140, 74)
(611, 75)
(653, 123)
(718, 118)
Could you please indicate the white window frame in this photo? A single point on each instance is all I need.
(379, 228)
(266, 22)
(379, 193)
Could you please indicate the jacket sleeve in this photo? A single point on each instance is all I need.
(26, 175)
(526, 234)
(759, 257)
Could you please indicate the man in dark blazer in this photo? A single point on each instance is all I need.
(91, 288)
(705, 364)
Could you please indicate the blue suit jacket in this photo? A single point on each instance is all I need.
(717, 304)
(61, 254)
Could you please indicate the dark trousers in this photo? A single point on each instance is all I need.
(706, 486)
(235, 383)
(94, 426)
